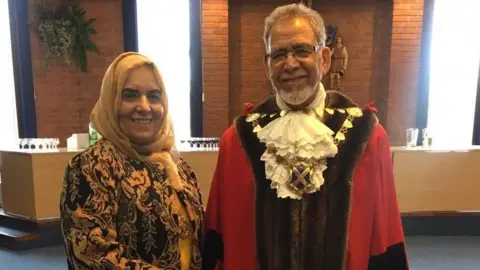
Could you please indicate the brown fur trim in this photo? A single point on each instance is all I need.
(310, 233)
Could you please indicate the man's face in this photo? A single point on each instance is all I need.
(295, 64)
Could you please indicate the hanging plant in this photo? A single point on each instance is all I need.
(65, 32)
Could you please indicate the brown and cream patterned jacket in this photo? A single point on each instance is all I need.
(119, 213)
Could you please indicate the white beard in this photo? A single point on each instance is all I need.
(296, 97)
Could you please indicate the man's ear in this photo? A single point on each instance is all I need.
(325, 60)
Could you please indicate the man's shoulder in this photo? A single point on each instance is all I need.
(229, 140)
(379, 134)
(378, 140)
(229, 134)
(336, 99)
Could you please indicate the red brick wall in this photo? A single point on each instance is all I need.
(383, 62)
(383, 57)
(355, 24)
(405, 62)
(366, 30)
(215, 66)
(64, 97)
(248, 81)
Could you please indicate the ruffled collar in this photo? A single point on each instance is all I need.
(298, 143)
(297, 146)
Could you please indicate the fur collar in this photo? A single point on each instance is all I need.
(314, 228)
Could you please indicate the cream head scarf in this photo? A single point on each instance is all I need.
(104, 116)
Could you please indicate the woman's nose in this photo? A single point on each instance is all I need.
(143, 104)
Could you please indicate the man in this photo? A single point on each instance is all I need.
(304, 180)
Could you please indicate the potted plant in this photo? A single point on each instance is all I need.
(64, 31)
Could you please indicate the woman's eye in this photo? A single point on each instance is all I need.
(154, 95)
(130, 94)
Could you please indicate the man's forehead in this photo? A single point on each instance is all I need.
(290, 31)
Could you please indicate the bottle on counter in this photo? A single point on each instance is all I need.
(93, 135)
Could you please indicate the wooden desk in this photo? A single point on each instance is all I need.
(426, 180)
(437, 180)
(32, 180)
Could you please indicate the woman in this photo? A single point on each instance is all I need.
(129, 201)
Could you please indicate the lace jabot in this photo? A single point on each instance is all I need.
(297, 147)
(298, 144)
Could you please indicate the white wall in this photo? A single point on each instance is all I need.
(8, 110)
(164, 36)
(455, 57)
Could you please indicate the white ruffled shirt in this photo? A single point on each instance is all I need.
(299, 135)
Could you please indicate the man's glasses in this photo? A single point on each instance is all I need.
(300, 51)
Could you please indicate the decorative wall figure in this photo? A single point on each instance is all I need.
(339, 64)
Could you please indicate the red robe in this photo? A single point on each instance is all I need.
(375, 235)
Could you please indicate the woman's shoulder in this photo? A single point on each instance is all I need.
(102, 151)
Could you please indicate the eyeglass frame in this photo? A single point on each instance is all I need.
(291, 49)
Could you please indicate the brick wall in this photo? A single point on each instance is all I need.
(215, 66)
(382, 39)
(248, 82)
(383, 62)
(366, 29)
(64, 97)
(405, 62)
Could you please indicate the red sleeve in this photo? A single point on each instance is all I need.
(229, 219)
(213, 245)
(375, 239)
(387, 247)
(212, 215)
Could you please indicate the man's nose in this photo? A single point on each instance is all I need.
(291, 62)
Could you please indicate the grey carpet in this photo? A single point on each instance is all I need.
(444, 252)
(51, 258)
(425, 253)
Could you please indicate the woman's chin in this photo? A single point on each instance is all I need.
(141, 139)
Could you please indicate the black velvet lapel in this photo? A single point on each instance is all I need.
(310, 233)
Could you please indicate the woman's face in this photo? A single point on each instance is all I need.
(141, 110)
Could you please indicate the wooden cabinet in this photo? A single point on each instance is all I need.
(32, 180)
(436, 180)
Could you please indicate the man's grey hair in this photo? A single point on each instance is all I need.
(292, 11)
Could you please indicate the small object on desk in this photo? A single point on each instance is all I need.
(78, 141)
(38, 144)
(199, 144)
(412, 137)
(93, 134)
(427, 139)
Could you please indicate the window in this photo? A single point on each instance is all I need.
(8, 108)
(455, 54)
(164, 36)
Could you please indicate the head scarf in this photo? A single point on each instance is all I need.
(104, 116)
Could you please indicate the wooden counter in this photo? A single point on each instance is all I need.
(437, 180)
(32, 180)
(426, 180)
